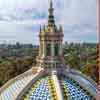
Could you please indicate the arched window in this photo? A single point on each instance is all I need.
(48, 49)
(56, 50)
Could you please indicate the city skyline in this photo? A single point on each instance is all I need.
(20, 20)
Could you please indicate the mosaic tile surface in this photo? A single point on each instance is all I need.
(11, 90)
(43, 89)
(72, 90)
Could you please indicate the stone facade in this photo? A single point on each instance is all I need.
(50, 50)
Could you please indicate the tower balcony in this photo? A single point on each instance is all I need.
(50, 62)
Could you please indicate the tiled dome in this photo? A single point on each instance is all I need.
(44, 88)
(72, 90)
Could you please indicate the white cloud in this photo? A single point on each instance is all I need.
(78, 17)
(22, 31)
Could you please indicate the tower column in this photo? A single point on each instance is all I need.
(40, 49)
(44, 49)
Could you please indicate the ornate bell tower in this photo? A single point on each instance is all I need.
(50, 49)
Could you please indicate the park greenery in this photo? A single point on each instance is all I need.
(83, 57)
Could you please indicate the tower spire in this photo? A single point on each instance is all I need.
(51, 21)
(51, 5)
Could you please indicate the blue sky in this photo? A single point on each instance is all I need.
(20, 19)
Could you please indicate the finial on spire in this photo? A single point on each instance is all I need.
(44, 27)
(51, 21)
(51, 8)
(51, 4)
(60, 28)
(40, 28)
